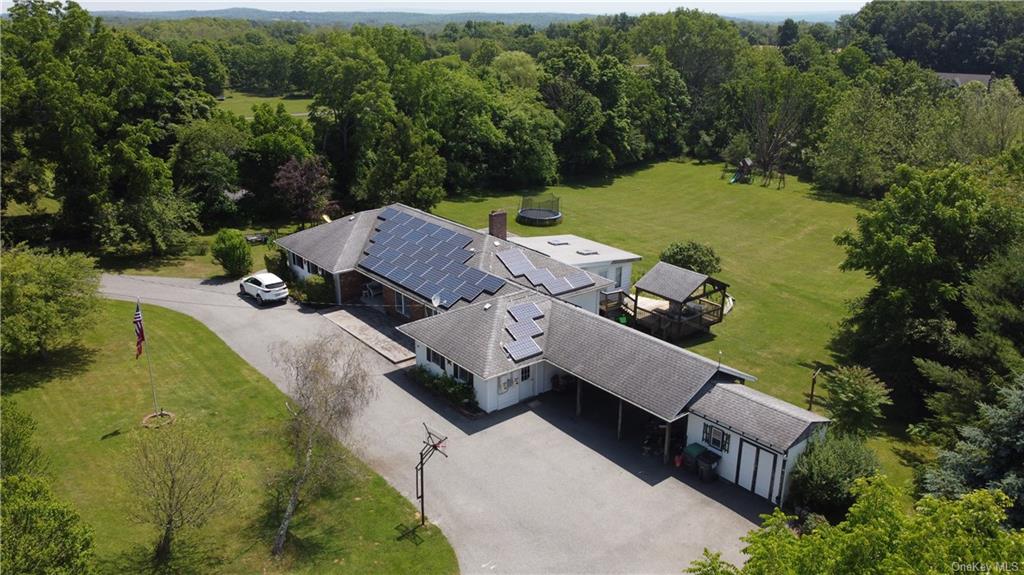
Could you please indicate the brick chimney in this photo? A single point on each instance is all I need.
(497, 224)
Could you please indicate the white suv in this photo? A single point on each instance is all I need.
(265, 287)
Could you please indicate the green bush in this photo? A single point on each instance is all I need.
(232, 252)
(317, 289)
(21, 456)
(276, 262)
(446, 386)
(693, 256)
(48, 299)
(825, 473)
(198, 247)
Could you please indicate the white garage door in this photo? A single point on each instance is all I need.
(765, 474)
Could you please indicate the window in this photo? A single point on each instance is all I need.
(435, 358)
(312, 268)
(460, 373)
(401, 304)
(524, 374)
(618, 276)
(716, 438)
(429, 311)
(297, 261)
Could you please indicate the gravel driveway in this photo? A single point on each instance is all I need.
(529, 489)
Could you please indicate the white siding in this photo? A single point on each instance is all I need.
(588, 300)
(746, 455)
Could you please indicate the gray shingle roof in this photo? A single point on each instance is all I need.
(671, 282)
(652, 374)
(766, 419)
(336, 246)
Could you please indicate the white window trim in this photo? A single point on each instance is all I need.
(401, 304)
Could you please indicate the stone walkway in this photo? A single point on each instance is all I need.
(375, 330)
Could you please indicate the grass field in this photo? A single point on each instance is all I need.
(242, 103)
(89, 403)
(777, 250)
(187, 266)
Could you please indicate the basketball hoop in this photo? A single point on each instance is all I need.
(434, 443)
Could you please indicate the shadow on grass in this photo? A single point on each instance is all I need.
(118, 263)
(191, 554)
(29, 373)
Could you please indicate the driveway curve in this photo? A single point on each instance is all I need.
(530, 489)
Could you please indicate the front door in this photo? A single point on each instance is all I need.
(508, 390)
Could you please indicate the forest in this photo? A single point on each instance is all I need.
(119, 125)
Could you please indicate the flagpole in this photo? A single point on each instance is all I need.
(149, 362)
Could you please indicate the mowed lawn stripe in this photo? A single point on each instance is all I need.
(86, 418)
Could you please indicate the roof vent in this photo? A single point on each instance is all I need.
(487, 305)
(587, 252)
(558, 242)
(497, 243)
(350, 218)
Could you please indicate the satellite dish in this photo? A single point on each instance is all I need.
(436, 300)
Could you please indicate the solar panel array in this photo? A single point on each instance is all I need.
(426, 259)
(518, 265)
(523, 329)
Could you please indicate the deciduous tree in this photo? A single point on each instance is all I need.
(41, 534)
(855, 399)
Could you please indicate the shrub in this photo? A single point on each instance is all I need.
(855, 399)
(276, 263)
(21, 456)
(694, 256)
(825, 473)
(48, 300)
(317, 289)
(446, 386)
(232, 252)
(198, 247)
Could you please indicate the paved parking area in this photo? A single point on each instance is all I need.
(530, 489)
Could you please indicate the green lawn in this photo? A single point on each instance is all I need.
(188, 266)
(777, 250)
(89, 403)
(242, 103)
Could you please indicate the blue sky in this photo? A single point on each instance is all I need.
(731, 7)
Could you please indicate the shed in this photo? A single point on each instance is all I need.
(695, 301)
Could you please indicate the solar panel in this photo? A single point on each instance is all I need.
(414, 236)
(398, 275)
(539, 276)
(387, 225)
(450, 282)
(558, 286)
(428, 242)
(524, 329)
(434, 275)
(428, 289)
(418, 268)
(448, 298)
(521, 349)
(472, 275)
(515, 260)
(491, 284)
(524, 311)
(414, 284)
(388, 213)
(391, 255)
(443, 234)
(371, 262)
(461, 256)
(401, 217)
(579, 279)
(376, 249)
(468, 291)
(429, 228)
(384, 268)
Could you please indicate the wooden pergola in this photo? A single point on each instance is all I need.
(695, 301)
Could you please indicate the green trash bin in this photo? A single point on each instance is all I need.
(690, 455)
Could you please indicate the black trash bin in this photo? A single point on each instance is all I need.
(707, 466)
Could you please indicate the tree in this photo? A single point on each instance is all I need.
(737, 150)
(402, 167)
(179, 477)
(824, 475)
(48, 300)
(920, 245)
(307, 186)
(855, 399)
(41, 534)
(277, 137)
(789, 32)
(989, 454)
(986, 353)
(329, 387)
(231, 250)
(21, 456)
(693, 256)
(880, 535)
(204, 164)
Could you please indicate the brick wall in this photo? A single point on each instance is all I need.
(352, 286)
(415, 309)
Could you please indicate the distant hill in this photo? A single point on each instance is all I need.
(538, 20)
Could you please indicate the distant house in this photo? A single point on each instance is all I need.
(957, 79)
(512, 323)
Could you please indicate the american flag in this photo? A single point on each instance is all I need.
(140, 333)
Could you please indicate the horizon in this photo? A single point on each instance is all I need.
(575, 7)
